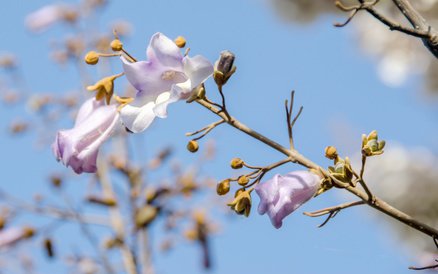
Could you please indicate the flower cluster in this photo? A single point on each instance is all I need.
(166, 77)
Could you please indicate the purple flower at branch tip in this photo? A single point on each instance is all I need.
(165, 78)
(283, 194)
(78, 147)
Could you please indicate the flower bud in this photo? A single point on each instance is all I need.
(192, 146)
(243, 180)
(371, 146)
(331, 152)
(105, 201)
(91, 58)
(236, 163)
(28, 232)
(48, 247)
(180, 41)
(56, 181)
(224, 68)
(191, 234)
(112, 242)
(223, 187)
(116, 45)
(145, 215)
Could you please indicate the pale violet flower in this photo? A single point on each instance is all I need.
(10, 236)
(78, 147)
(166, 77)
(283, 194)
(43, 18)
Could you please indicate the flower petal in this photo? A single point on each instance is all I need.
(86, 109)
(165, 99)
(138, 118)
(197, 69)
(165, 51)
(151, 78)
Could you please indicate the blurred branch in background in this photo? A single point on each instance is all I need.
(398, 56)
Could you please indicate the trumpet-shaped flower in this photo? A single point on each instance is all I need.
(78, 147)
(283, 194)
(166, 77)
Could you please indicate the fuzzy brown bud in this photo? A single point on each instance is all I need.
(28, 232)
(116, 45)
(223, 187)
(192, 146)
(91, 58)
(48, 247)
(331, 152)
(243, 180)
(145, 215)
(236, 163)
(180, 41)
(56, 181)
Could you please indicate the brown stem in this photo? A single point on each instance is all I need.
(296, 157)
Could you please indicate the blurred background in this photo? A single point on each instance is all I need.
(350, 81)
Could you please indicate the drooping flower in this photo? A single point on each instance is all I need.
(46, 16)
(11, 236)
(78, 147)
(283, 194)
(165, 78)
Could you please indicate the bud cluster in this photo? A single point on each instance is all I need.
(371, 146)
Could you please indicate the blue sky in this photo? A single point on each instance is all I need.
(336, 84)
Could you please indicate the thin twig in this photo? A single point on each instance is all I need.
(420, 27)
(291, 122)
(362, 182)
(206, 129)
(331, 211)
(425, 267)
(327, 210)
(224, 107)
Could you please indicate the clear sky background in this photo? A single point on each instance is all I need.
(337, 85)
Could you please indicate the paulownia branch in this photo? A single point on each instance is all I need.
(425, 267)
(296, 157)
(420, 28)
